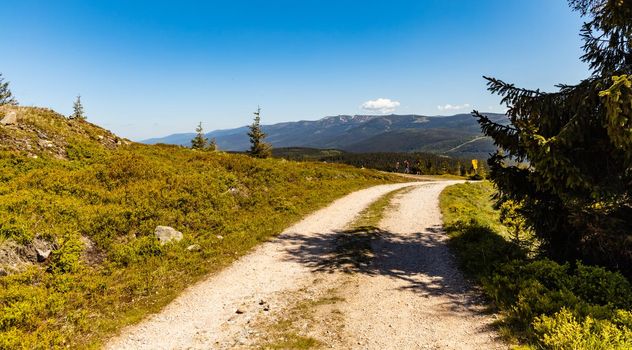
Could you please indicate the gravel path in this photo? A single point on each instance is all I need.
(214, 312)
(410, 296)
(413, 296)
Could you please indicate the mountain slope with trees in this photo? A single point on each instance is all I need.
(363, 133)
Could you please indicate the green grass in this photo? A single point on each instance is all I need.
(542, 304)
(472, 201)
(114, 197)
(373, 214)
(291, 340)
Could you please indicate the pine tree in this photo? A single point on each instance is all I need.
(6, 97)
(199, 142)
(78, 110)
(576, 188)
(259, 148)
(212, 145)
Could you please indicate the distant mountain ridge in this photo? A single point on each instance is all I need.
(457, 135)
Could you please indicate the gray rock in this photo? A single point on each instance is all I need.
(11, 118)
(42, 254)
(45, 143)
(194, 248)
(3, 272)
(166, 234)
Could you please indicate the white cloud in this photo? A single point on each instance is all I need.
(380, 105)
(449, 107)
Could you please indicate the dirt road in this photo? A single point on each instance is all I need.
(409, 296)
(413, 296)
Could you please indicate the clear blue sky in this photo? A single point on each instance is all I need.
(151, 68)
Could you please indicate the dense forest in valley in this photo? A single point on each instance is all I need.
(410, 163)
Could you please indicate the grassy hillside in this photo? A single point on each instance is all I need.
(543, 305)
(95, 202)
(40, 132)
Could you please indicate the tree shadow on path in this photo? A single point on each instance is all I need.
(421, 260)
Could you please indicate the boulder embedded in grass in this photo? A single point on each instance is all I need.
(42, 254)
(166, 234)
(11, 118)
(194, 248)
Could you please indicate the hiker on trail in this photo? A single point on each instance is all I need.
(406, 167)
(397, 167)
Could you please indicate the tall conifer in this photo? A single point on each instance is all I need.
(78, 112)
(259, 148)
(212, 145)
(199, 141)
(6, 97)
(576, 188)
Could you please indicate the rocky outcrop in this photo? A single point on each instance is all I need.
(15, 257)
(40, 131)
(10, 118)
(166, 234)
(42, 254)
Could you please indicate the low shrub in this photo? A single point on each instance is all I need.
(480, 249)
(564, 331)
(67, 257)
(543, 304)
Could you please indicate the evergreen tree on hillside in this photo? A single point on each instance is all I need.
(212, 145)
(199, 141)
(6, 97)
(78, 110)
(259, 148)
(576, 190)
